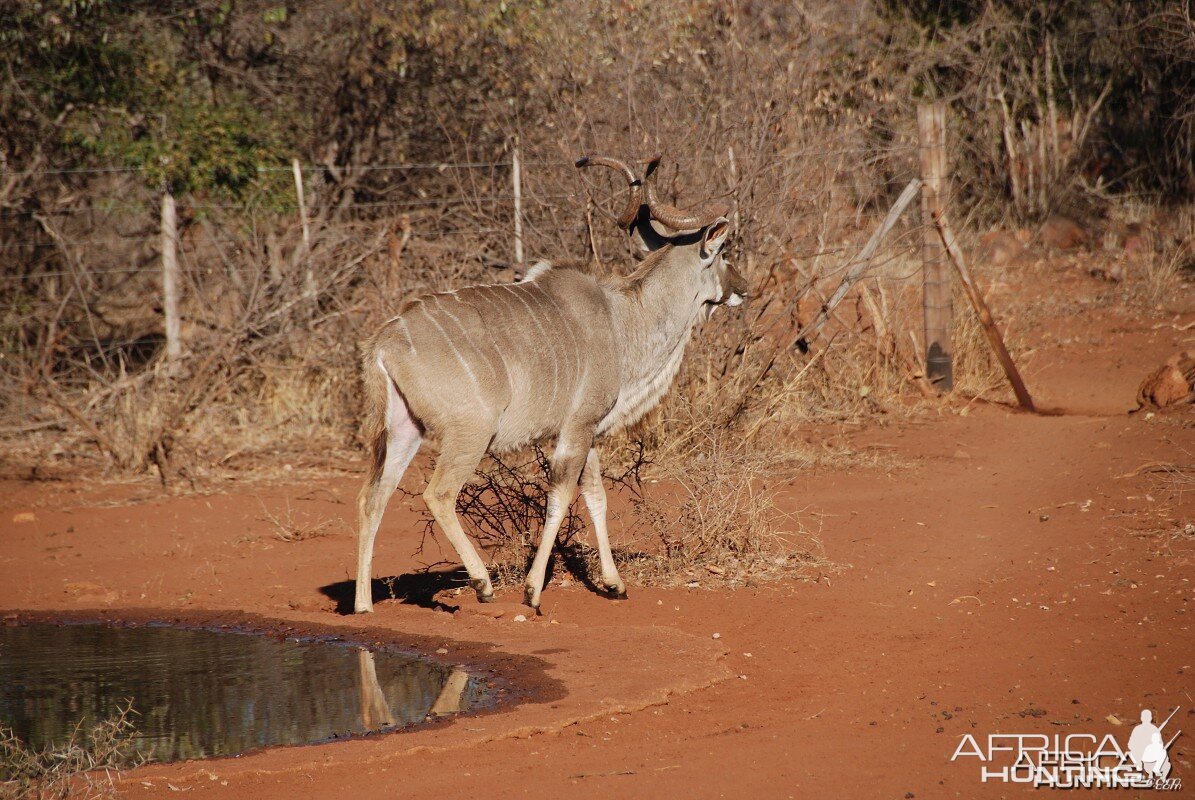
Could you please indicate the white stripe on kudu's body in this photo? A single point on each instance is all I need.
(562, 353)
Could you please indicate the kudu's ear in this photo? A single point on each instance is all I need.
(714, 237)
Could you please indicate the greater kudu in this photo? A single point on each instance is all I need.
(563, 352)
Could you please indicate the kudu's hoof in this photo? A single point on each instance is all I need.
(614, 591)
(530, 600)
(485, 592)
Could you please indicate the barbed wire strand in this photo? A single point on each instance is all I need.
(445, 165)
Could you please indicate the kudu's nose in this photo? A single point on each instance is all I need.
(736, 284)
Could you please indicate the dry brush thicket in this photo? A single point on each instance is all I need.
(801, 115)
(87, 765)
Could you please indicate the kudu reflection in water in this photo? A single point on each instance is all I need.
(376, 712)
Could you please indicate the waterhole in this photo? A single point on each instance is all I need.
(205, 693)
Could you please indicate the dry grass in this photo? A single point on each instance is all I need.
(1161, 275)
(1167, 520)
(86, 766)
(1175, 484)
(291, 525)
(716, 518)
(977, 372)
(1163, 249)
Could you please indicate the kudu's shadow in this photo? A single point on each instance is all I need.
(420, 588)
(575, 561)
(414, 588)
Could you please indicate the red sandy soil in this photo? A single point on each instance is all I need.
(1016, 574)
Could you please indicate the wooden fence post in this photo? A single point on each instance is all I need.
(516, 178)
(984, 313)
(170, 281)
(931, 130)
(308, 275)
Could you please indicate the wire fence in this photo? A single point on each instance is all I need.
(312, 168)
(103, 247)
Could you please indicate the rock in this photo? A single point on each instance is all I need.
(520, 618)
(999, 248)
(1135, 245)
(1062, 233)
(24, 516)
(1171, 384)
(1114, 272)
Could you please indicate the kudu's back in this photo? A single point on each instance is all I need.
(517, 361)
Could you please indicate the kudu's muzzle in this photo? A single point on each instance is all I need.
(734, 287)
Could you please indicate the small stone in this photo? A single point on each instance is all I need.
(717, 636)
(520, 618)
(441, 651)
(24, 516)
(1000, 247)
(1043, 517)
(1062, 233)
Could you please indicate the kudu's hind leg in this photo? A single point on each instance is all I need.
(595, 500)
(567, 462)
(458, 461)
(402, 442)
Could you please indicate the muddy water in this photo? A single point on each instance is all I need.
(202, 693)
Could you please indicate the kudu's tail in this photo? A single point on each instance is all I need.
(373, 425)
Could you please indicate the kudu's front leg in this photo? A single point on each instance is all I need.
(595, 500)
(567, 462)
